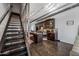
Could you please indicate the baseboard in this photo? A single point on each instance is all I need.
(66, 42)
(57, 40)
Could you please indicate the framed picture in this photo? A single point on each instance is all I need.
(70, 22)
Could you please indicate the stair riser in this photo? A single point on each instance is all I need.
(14, 38)
(14, 50)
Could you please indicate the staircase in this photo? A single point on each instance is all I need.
(14, 43)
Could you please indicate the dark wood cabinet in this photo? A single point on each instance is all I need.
(33, 37)
(51, 36)
(36, 37)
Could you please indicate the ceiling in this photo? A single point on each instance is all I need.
(39, 9)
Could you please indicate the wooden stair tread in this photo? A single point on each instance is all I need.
(14, 42)
(14, 34)
(14, 37)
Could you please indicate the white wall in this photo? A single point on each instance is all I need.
(24, 14)
(16, 8)
(22, 7)
(32, 27)
(3, 9)
(67, 33)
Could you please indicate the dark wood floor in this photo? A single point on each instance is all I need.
(50, 48)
